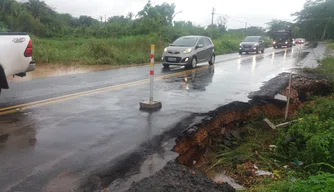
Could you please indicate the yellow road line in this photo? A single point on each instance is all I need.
(21, 107)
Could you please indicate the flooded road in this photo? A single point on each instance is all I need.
(59, 133)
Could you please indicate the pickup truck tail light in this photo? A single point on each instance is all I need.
(28, 51)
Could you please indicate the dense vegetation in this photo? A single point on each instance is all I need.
(62, 38)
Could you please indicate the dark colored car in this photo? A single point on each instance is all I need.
(188, 51)
(252, 44)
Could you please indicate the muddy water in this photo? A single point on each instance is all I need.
(54, 70)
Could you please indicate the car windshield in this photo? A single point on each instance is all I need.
(185, 42)
(252, 39)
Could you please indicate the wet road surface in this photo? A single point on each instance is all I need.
(55, 132)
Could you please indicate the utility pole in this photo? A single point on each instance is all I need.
(213, 13)
(246, 29)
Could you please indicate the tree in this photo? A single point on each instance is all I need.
(275, 25)
(316, 18)
(36, 8)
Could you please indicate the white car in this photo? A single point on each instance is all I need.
(16, 51)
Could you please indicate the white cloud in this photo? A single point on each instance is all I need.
(254, 12)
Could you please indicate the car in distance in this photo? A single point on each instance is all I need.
(252, 44)
(300, 41)
(188, 51)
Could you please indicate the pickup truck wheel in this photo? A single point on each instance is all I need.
(212, 60)
(165, 65)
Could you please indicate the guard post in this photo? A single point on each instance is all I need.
(151, 104)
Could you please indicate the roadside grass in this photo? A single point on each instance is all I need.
(126, 50)
(229, 43)
(320, 182)
(299, 156)
(112, 51)
(330, 45)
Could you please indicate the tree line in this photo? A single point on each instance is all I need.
(36, 17)
(314, 21)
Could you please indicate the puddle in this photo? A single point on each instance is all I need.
(222, 177)
(149, 167)
(56, 70)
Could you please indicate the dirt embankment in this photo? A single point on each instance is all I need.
(192, 144)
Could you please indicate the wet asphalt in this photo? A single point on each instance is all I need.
(65, 143)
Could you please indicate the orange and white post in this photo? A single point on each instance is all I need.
(151, 104)
(152, 73)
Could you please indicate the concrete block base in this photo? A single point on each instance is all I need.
(147, 105)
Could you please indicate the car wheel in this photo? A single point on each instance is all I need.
(247, 52)
(262, 51)
(257, 51)
(165, 65)
(212, 60)
(193, 63)
(240, 52)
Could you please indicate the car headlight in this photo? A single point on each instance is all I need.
(286, 42)
(274, 42)
(256, 44)
(240, 44)
(165, 50)
(187, 50)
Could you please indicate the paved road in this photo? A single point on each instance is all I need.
(55, 132)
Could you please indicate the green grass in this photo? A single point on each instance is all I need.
(331, 45)
(322, 182)
(125, 50)
(229, 43)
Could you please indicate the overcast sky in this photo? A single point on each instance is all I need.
(254, 12)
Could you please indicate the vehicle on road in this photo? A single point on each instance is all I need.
(300, 41)
(188, 51)
(282, 38)
(293, 42)
(252, 44)
(15, 56)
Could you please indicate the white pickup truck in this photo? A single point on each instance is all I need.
(15, 56)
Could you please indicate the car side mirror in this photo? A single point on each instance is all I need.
(200, 46)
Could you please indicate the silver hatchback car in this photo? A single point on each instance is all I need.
(188, 51)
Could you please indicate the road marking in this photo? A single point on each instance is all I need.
(25, 106)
